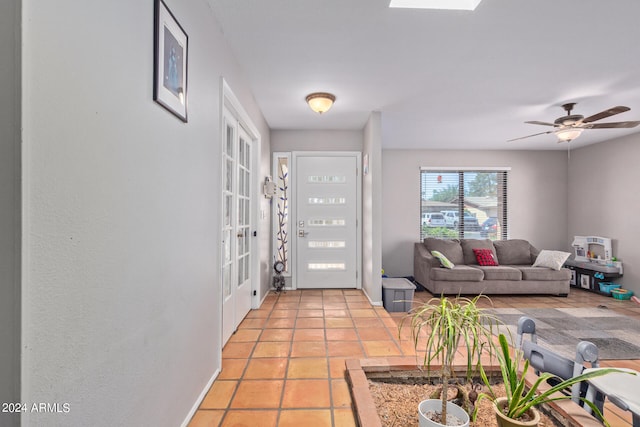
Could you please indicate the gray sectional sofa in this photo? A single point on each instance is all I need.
(513, 275)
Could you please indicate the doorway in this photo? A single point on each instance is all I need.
(327, 227)
(238, 198)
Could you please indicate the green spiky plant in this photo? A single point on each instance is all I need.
(450, 325)
(521, 399)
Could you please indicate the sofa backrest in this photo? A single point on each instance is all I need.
(513, 252)
(468, 245)
(448, 247)
(507, 252)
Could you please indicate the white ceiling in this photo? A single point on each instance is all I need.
(441, 79)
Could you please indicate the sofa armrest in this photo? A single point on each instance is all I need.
(423, 262)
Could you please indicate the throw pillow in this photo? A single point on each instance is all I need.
(551, 259)
(485, 256)
(443, 259)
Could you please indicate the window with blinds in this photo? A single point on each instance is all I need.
(463, 203)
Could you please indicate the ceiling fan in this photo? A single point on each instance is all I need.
(569, 127)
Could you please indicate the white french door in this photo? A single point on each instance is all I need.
(236, 225)
(326, 228)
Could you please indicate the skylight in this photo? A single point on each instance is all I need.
(436, 4)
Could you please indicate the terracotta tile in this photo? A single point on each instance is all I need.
(308, 349)
(358, 305)
(341, 335)
(337, 367)
(237, 350)
(258, 394)
(252, 323)
(344, 418)
(232, 369)
(206, 418)
(310, 313)
(262, 313)
(308, 335)
(219, 395)
(279, 314)
(340, 393)
(338, 322)
(306, 418)
(373, 334)
(287, 306)
(363, 313)
(239, 418)
(266, 368)
(272, 349)
(310, 322)
(276, 335)
(314, 305)
(308, 367)
(336, 313)
(306, 394)
(351, 349)
(381, 348)
(286, 323)
(332, 292)
(334, 305)
(366, 322)
(245, 335)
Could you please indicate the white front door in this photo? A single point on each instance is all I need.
(236, 226)
(326, 225)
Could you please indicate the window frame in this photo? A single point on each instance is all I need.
(502, 196)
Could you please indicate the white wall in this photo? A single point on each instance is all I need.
(604, 201)
(316, 140)
(121, 291)
(372, 209)
(537, 197)
(9, 207)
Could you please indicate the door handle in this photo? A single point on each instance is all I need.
(239, 235)
(302, 233)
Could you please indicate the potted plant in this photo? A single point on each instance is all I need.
(518, 408)
(440, 327)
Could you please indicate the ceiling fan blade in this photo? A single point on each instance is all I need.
(613, 125)
(606, 113)
(535, 122)
(529, 136)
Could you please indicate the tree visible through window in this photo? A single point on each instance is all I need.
(463, 204)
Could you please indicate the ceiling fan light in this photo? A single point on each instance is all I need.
(568, 134)
(320, 102)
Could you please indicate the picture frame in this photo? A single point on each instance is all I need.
(170, 60)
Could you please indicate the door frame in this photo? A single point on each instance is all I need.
(230, 104)
(294, 214)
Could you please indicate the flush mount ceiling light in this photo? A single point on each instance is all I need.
(436, 4)
(568, 134)
(320, 102)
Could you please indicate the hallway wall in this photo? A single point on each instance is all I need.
(121, 294)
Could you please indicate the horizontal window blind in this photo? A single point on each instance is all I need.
(463, 203)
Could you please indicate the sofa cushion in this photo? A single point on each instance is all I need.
(551, 259)
(468, 245)
(544, 274)
(513, 252)
(459, 273)
(449, 248)
(500, 273)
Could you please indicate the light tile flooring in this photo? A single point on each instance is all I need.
(285, 364)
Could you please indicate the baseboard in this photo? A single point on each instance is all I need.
(200, 398)
(375, 304)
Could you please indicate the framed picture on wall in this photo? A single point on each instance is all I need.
(171, 45)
